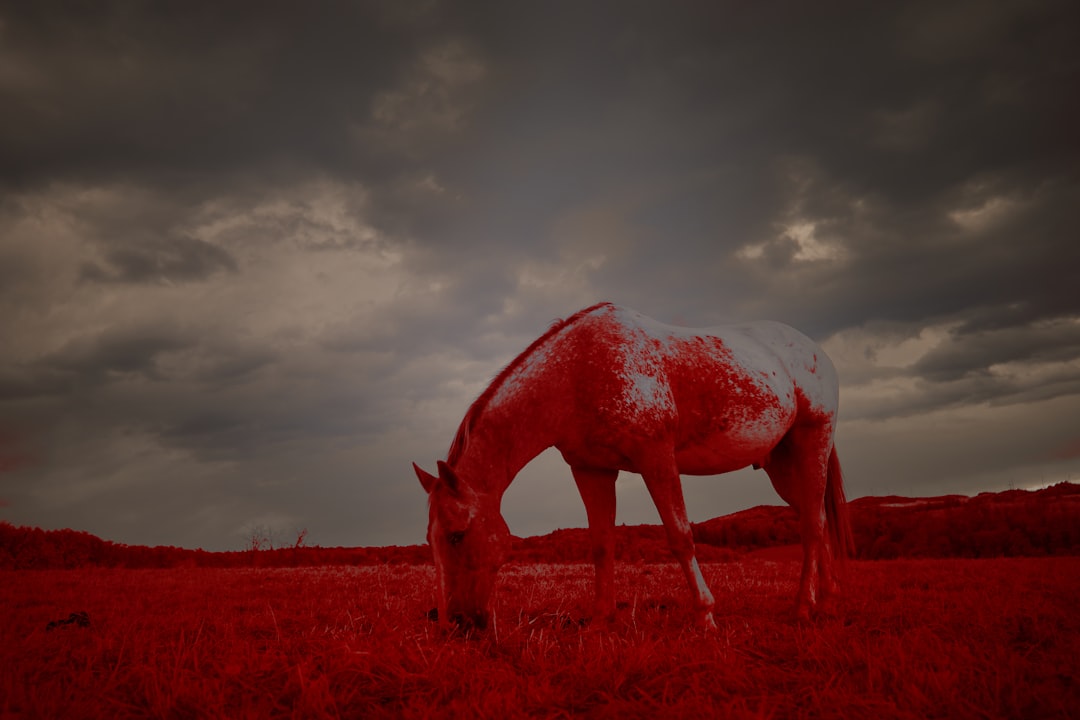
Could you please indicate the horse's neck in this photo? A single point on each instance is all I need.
(505, 439)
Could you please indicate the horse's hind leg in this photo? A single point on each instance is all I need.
(662, 479)
(597, 488)
(798, 469)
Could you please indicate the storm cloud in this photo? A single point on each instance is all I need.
(255, 258)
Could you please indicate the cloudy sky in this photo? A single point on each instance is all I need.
(257, 258)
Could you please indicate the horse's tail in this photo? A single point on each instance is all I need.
(836, 511)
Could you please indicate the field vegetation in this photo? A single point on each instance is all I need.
(911, 638)
(978, 618)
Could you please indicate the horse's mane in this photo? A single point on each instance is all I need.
(461, 439)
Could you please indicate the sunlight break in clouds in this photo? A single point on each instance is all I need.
(986, 215)
(808, 247)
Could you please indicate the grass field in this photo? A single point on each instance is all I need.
(918, 639)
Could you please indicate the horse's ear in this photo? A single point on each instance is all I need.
(449, 477)
(426, 479)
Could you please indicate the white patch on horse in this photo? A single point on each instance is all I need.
(643, 396)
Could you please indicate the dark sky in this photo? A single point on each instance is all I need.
(257, 258)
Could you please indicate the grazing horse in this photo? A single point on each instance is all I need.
(614, 390)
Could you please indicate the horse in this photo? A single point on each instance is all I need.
(612, 389)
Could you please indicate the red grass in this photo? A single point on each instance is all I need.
(911, 638)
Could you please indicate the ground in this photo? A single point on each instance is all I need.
(911, 638)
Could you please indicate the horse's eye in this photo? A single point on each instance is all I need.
(456, 537)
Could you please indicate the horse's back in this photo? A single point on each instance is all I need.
(724, 396)
(763, 349)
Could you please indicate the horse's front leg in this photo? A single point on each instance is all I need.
(597, 488)
(665, 486)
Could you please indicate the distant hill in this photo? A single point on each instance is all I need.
(1011, 523)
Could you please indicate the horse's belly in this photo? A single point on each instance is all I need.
(715, 438)
(710, 448)
(725, 452)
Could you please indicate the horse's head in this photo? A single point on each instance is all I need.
(470, 540)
